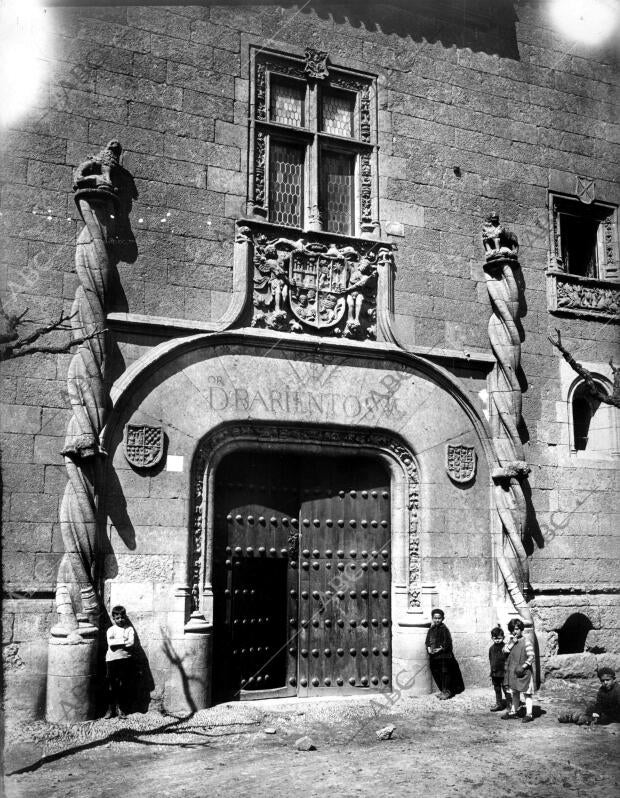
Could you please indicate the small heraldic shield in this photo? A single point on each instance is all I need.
(585, 189)
(144, 446)
(461, 462)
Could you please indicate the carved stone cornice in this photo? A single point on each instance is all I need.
(573, 295)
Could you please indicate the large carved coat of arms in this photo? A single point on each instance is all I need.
(461, 462)
(144, 446)
(314, 287)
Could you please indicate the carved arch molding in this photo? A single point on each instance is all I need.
(377, 441)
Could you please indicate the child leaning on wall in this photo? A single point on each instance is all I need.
(606, 707)
(119, 660)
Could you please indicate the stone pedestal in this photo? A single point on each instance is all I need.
(410, 669)
(71, 672)
(188, 687)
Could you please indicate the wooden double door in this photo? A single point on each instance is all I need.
(301, 575)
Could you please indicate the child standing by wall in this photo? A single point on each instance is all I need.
(119, 662)
(519, 670)
(497, 661)
(444, 667)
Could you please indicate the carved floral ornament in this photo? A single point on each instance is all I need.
(316, 286)
(315, 63)
(581, 297)
(268, 434)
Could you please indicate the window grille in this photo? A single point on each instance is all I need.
(338, 112)
(287, 103)
(286, 183)
(338, 192)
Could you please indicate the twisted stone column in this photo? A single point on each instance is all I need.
(97, 199)
(72, 655)
(501, 273)
(88, 395)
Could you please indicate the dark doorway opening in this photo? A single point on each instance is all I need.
(301, 575)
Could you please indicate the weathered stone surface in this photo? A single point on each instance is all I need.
(609, 660)
(571, 666)
(600, 641)
(139, 568)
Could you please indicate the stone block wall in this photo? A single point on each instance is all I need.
(492, 113)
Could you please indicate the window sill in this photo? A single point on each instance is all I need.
(274, 228)
(572, 295)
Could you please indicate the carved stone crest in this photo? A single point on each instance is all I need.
(497, 241)
(585, 189)
(461, 462)
(315, 65)
(144, 446)
(312, 286)
(96, 170)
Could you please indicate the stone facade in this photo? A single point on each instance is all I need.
(493, 114)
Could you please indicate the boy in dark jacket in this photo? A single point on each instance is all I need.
(497, 661)
(606, 707)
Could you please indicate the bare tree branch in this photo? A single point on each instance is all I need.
(14, 345)
(47, 328)
(594, 387)
(54, 350)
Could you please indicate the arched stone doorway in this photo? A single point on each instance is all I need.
(330, 516)
(216, 396)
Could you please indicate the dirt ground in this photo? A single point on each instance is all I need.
(450, 748)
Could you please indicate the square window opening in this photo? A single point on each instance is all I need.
(580, 244)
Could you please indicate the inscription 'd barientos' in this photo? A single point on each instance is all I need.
(380, 401)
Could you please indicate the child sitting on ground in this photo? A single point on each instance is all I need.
(520, 671)
(606, 707)
(119, 662)
(497, 661)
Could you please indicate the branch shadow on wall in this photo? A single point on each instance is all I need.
(125, 250)
(522, 429)
(176, 660)
(534, 536)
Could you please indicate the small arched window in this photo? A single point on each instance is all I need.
(584, 408)
(593, 424)
(572, 635)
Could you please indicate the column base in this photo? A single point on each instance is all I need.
(71, 673)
